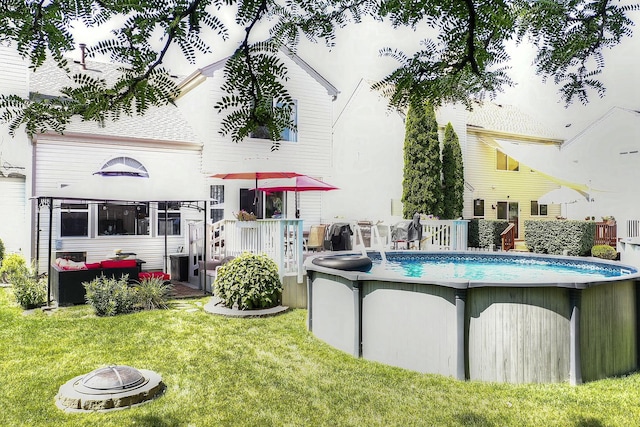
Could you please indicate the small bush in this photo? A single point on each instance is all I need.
(1, 251)
(249, 281)
(13, 268)
(109, 296)
(604, 252)
(29, 291)
(153, 292)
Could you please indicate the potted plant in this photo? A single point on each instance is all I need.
(609, 220)
(246, 219)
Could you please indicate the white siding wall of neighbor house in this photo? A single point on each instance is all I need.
(607, 155)
(13, 216)
(14, 161)
(368, 159)
(310, 154)
(62, 162)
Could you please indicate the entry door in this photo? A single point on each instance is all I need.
(509, 211)
(250, 203)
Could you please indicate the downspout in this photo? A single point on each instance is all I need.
(166, 255)
(202, 276)
(49, 252)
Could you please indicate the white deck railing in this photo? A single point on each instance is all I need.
(280, 239)
(444, 235)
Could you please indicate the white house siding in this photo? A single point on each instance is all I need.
(606, 155)
(14, 160)
(494, 185)
(13, 216)
(310, 155)
(65, 161)
(368, 159)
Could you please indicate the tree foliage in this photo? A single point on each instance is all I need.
(466, 60)
(452, 175)
(421, 184)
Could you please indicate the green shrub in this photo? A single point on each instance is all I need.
(1, 251)
(554, 236)
(485, 232)
(13, 268)
(109, 296)
(153, 292)
(29, 291)
(604, 252)
(249, 281)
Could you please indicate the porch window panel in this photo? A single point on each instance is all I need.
(128, 219)
(173, 218)
(74, 220)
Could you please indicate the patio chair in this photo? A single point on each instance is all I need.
(315, 240)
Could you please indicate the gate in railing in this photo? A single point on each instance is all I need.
(444, 235)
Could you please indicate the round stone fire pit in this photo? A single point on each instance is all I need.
(112, 387)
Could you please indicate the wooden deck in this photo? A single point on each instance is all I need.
(186, 290)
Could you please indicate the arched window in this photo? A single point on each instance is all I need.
(123, 166)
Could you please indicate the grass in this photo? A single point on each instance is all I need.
(264, 372)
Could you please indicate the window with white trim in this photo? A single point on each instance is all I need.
(74, 220)
(123, 219)
(288, 134)
(169, 218)
(506, 163)
(538, 209)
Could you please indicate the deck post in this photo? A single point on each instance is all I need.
(575, 370)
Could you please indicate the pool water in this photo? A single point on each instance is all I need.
(494, 268)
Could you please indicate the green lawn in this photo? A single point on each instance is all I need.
(263, 372)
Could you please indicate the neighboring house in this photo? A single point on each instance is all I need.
(605, 157)
(307, 150)
(499, 186)
(15, 158)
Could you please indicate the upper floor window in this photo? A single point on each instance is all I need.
(169, 218)
(290, 135)
(123, 219)
(538, 209)
(506, 163)
(74, 220)
(478, 207)
(123, 166)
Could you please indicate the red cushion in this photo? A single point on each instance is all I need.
(92, 265)
(124, 263)
(149, 274)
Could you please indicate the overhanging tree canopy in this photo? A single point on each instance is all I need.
(466, 60)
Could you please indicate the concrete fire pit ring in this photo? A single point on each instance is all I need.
(109, 388)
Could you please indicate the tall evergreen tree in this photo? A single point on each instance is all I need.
(421, 186)
(452, 175)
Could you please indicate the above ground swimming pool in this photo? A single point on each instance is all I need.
(504, 317)
(476, 267)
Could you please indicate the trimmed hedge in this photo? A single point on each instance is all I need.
(554, 236)
(484, 232)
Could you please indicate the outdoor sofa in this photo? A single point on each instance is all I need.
(67, 277)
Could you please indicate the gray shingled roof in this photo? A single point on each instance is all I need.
(507, 118)
(164, 123)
